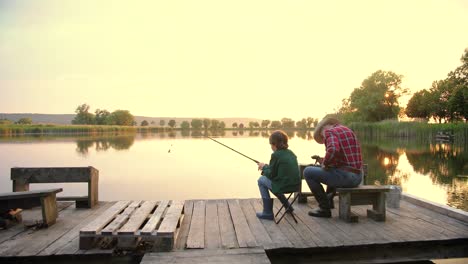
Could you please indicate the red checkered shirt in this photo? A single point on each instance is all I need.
(343, 149)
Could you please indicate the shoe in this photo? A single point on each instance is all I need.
(318, 212)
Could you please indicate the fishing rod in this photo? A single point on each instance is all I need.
(256, 161)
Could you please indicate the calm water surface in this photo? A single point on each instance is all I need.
(189, 166)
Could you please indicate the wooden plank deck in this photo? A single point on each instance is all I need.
(211, 227)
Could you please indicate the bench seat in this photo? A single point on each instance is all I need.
(28, 199)
(362, 195)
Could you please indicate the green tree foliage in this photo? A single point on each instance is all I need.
(302, 124)
(5, 121)
(144, 123)
(162, 123)
(265, 123)
(419, 106)
(310, 121)
(102, 117)
(83, 116)
(458, 103)
(287, 122)
(376, 99)
(234, 125)
(122, 118)
(214, 124)
(275, 124)
(222, 125)
(172, 123)
(24, 121)
(196, 123)
(206, 123)
(184, 125)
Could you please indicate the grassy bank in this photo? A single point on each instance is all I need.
(411, 130)
(16, 130)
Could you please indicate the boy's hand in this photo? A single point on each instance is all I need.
(260, 165)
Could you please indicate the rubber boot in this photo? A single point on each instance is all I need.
(285, 202)
(267, 209)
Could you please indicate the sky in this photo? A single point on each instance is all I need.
(263, 59)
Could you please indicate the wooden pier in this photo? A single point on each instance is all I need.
(227, 231)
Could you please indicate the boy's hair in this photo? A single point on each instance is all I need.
(279, 139)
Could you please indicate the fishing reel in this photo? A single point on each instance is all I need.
(317, 159)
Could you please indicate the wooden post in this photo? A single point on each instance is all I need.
(49, 209)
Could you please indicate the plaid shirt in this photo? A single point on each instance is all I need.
(343, 149)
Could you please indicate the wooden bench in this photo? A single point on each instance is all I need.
(28, 199)
(362, 195)
(22, 177)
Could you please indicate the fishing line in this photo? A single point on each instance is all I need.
(232, 149)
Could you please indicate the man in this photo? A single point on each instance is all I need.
(341, 166)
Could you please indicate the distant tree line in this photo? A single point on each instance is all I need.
(102, 117)
(377, 98)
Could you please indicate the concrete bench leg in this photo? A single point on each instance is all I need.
(378, 208)
(345, 208)
(49, 209)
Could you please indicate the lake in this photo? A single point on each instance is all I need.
(186, 165)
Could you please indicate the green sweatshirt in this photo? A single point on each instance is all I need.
(283, 171)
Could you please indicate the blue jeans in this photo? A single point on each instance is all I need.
(333, 178)
(264, 185)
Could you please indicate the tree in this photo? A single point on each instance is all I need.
(184, 125)
(265, 123)
(206, 123)
(172, 123)
(83, 116)
(144, 123)
(214, 124)
(234, 125)
(162, 123)
(309, 122)
(122, 118)
(222, 125)
(377, 98)
(419, 105)
(102, 117)
(275, 124)
(5, 121)
(458, 103)
(24, 121)
(287, 122)
(439, 95)
(302, 124)
(196, 123)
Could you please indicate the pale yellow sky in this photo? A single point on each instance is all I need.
(262, 59)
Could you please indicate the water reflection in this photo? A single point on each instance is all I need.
(434, 171)
(121, 142)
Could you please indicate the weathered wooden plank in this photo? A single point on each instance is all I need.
(289, 231)
(244, 235)
(196, 236)
(226, 227)
(121, 219)
(138, 217)
(212, 234)
(171, 219)
(257, 228)
(324, 236)
(231, 256)
(52, 174)
(99, 223)
(307, 237)
(57, 247)
(279, 240)
(32, 242)
(154, 220)
(185, 225)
